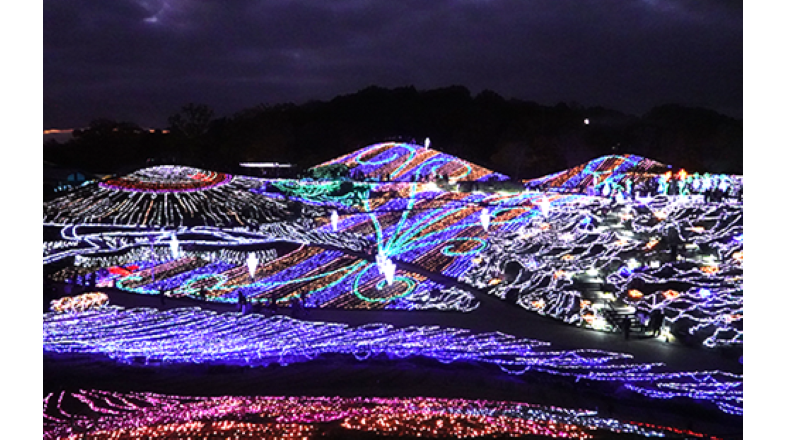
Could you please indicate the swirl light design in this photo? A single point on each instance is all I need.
(321, 278)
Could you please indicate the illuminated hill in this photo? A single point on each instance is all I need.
(613, 168)
(167, 196)
(408, 162)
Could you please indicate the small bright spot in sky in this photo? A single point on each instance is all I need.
(586, 122)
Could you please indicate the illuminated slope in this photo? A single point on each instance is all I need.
(108, 414)
(191, 336)
(321, 278)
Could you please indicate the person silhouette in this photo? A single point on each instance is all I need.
(626, 327)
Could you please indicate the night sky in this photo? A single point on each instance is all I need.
(142, 60)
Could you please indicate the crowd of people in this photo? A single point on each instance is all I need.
(247, 305)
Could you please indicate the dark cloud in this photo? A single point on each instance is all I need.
(141, 60)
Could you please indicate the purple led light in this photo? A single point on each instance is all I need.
(196, 336)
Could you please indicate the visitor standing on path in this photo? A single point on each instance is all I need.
(626, 327)
(272, 305)
(656, 322)
(241, 302)
(297, 307)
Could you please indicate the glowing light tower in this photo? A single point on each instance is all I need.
(174, 247)
(334, 220)
(390, 271)
(485, 219)
(252, 261)
(545, 206)
(386, 267)
(427, 143)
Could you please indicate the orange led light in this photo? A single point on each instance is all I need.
(709, 270)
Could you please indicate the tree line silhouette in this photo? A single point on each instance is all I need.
(518, 138)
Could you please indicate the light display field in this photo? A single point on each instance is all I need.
(400, 241)
(533, 249)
